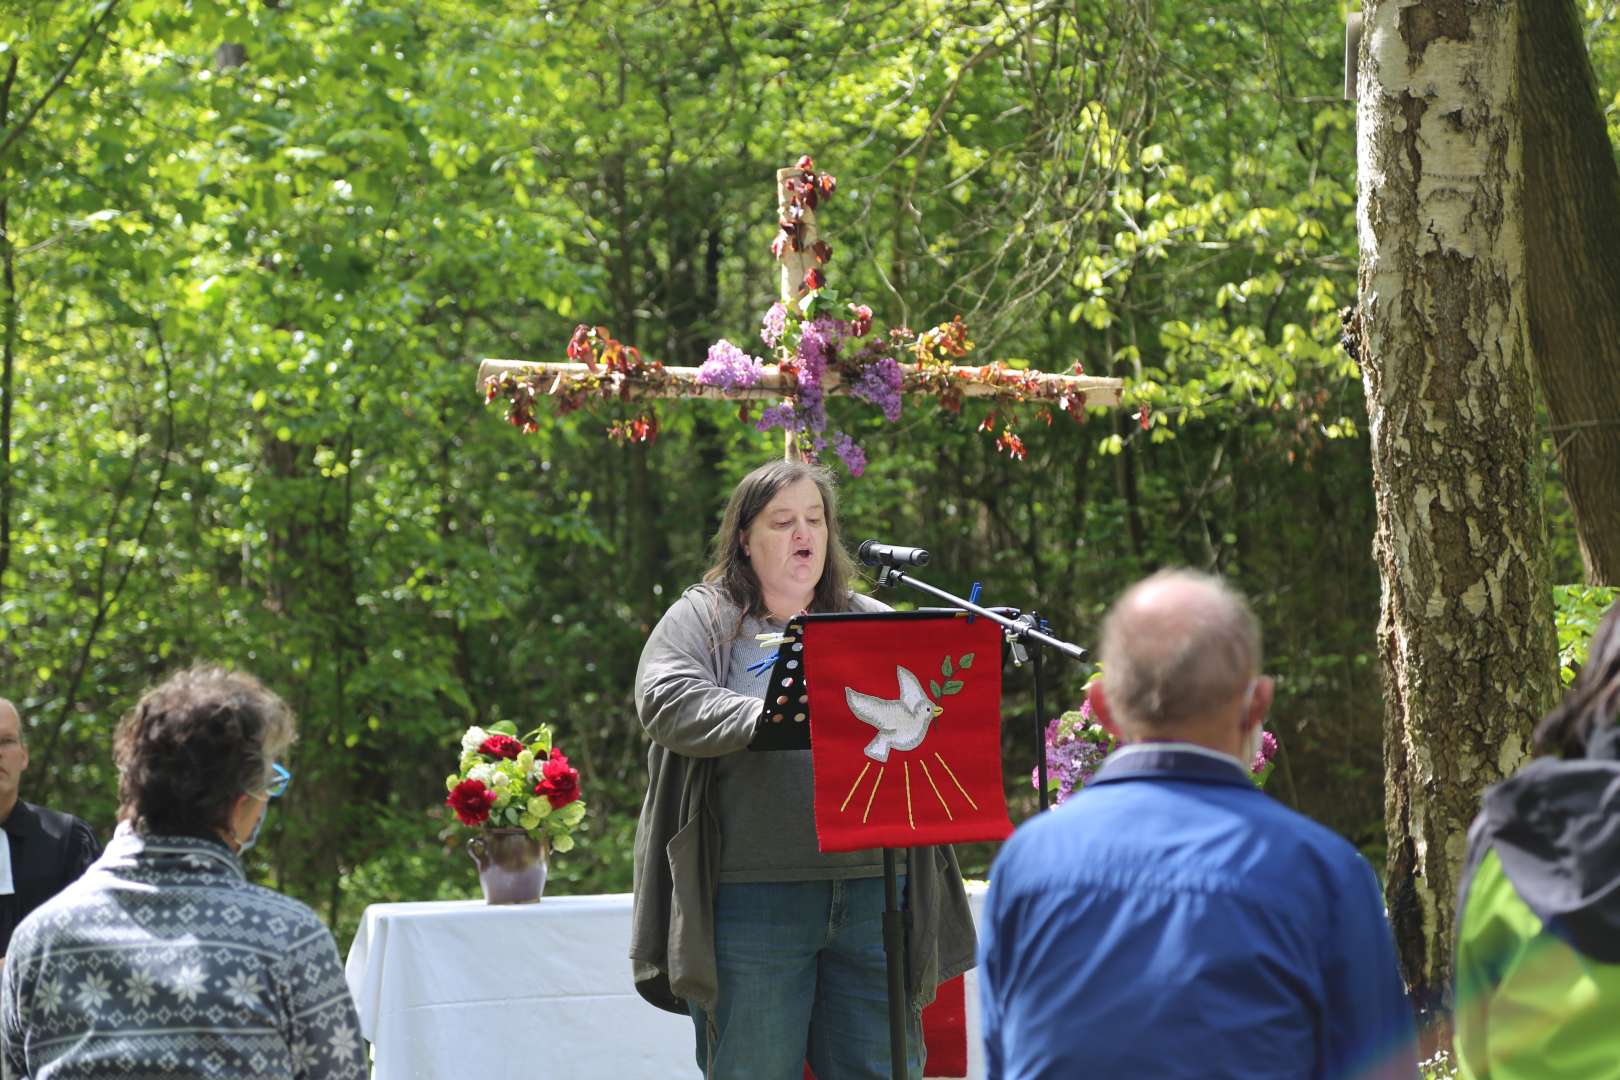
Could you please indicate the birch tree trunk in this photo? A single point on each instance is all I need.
(1572, 214)
(1465, 631)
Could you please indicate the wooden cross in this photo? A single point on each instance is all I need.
(611, 371)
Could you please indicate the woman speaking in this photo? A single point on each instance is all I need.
(774, 948)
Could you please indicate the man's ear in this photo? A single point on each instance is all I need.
(1259, 705)
(1100, 709)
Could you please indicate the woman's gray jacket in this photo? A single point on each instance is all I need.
(693, 720)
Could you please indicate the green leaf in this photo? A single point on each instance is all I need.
(954, 686)
(933, 688)
(966, 661)
(945, 668)
(503, 727)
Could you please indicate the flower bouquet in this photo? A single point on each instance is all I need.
(507, 782)
(1076, 746)
(523, 797)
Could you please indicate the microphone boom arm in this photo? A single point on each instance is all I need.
(1023, 627)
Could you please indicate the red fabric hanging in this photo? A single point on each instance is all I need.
(905, 728)
(944, 1034)
(945, 1031)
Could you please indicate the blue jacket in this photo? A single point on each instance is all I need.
(1170, 920)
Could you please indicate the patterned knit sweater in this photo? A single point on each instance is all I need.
(164, 961)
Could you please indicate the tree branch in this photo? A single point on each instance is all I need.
(105, 600)
(15, 132)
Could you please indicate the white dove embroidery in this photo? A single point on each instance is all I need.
(902, 723)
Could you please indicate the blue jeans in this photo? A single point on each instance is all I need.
(802, 977)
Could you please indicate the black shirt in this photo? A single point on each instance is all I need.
(49, 850)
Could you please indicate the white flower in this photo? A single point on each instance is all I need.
(485, 774)
(188, 983)
(243, 988)
(474, 738)
(94, 992)
(139, 988)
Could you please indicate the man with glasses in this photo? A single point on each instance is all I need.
(1171, 920)
(41, 851)
(163, 959)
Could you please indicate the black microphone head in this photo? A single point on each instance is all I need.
(866, 554)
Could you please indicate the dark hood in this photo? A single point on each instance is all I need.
(1556, 828)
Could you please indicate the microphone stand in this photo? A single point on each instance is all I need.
(1021, 630)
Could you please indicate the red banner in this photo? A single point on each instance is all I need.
(944, 1034)
(905, 718)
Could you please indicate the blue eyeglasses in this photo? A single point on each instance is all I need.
(279, 779)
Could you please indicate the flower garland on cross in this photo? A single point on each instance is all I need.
(821, 345)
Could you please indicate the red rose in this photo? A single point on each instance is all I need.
(560, 783)
(471, 801)
(501, 746)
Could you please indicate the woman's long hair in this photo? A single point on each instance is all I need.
(1593, 701)
(732, 573)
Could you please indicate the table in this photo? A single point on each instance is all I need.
(524, 992)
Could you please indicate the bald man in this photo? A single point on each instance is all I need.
(44, 850)
(1170, 920)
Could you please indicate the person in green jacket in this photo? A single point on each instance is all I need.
(1538, 940)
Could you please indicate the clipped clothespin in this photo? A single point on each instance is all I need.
(769, 641)
(973, 598)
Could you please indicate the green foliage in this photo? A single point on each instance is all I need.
(1577, 610)
(250, 298)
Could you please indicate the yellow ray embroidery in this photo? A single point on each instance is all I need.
(955, 781)
(948, 815)
(871, 797)
(909, 819)
(853, 786)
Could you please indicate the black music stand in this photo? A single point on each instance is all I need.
(785, 725)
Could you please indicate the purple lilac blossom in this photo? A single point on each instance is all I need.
(728, 367)
(1075, 747)
(879, 384)
(771, 327)
(778, 416)
(849, 451)
(818, 343)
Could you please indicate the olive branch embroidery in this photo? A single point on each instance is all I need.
(947, 671)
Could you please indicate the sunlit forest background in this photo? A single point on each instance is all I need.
(254, 252)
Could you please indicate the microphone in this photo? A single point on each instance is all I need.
(873, 553)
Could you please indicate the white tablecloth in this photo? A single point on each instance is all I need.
(524, 992)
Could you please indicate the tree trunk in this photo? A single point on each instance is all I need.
(8, 349)
(1465, 633)
(1572, 214)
